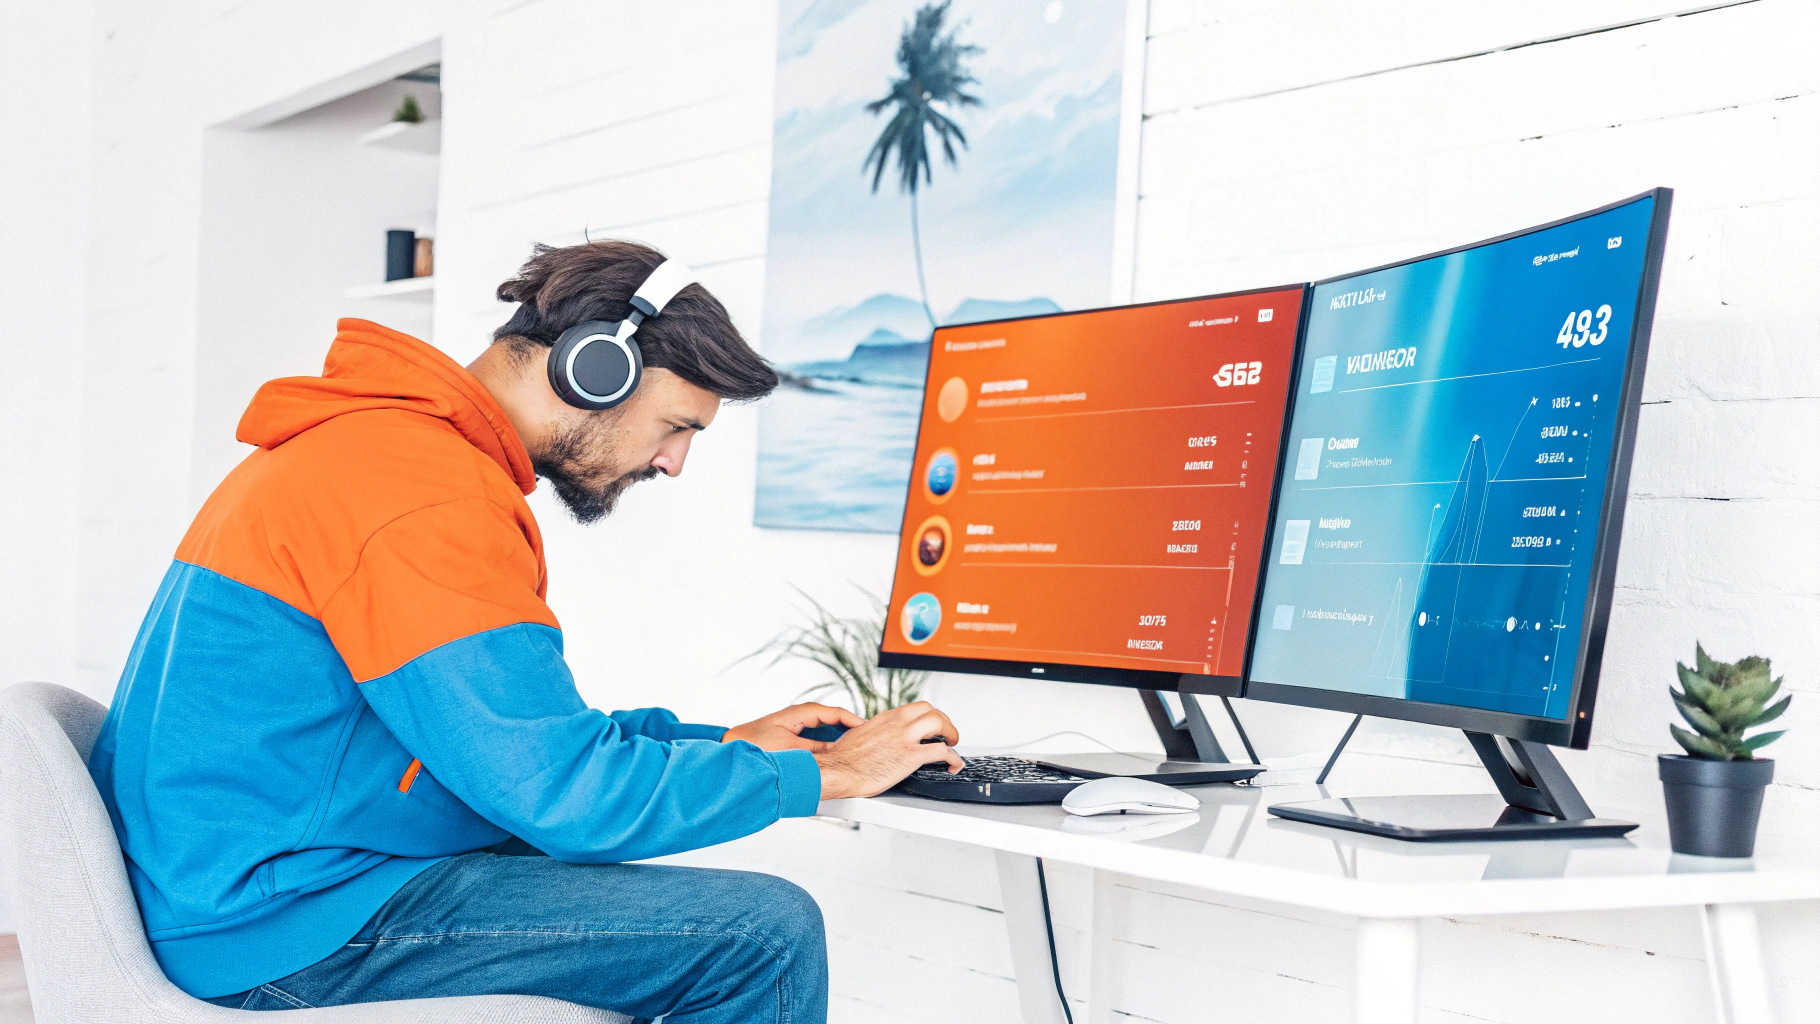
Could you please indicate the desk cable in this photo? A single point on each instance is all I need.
(1055, 967)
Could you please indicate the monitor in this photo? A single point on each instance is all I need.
(1453, 480)
(1090, 493)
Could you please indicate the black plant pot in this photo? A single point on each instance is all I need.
(1713, 805)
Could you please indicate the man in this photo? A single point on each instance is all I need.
(346, 731)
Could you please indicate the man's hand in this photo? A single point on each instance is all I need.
(877, 755)
(781, 730)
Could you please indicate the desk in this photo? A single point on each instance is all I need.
(1233, 847)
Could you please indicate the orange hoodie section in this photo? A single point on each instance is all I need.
(386, 500)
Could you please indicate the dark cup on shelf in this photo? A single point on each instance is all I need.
(400, 255)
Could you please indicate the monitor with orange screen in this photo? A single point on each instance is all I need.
(1091, 491)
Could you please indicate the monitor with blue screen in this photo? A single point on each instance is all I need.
(1453, 480)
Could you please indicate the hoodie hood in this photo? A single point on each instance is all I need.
(374, 367)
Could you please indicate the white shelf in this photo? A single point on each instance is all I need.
(415, 137)
(419, 288)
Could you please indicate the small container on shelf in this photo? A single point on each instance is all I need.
(400, 255)
(425, 264)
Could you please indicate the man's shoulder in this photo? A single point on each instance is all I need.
(292, 520)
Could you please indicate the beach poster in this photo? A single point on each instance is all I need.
(932, 164)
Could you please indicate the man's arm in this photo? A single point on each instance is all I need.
(495, 718)
(454, 650)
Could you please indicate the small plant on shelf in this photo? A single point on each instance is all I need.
(1715, 791)
(848, 648)
(408, 111)
(1721, 700)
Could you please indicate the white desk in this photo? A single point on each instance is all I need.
(1232, 847)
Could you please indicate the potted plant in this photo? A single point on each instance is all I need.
(848, 649)
(408, 110)
(1715, 791)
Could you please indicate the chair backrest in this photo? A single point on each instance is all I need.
(86, 956)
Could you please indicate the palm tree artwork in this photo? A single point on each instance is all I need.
(934, 79)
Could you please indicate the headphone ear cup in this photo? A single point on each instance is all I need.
(589, 369)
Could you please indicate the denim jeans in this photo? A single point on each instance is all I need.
(690, 945)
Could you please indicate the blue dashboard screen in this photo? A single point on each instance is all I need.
(1446, 465)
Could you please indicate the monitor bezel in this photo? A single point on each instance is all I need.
(1576, 730)
(1141, 679)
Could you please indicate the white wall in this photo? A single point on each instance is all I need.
(1281, 142)
(44, 173)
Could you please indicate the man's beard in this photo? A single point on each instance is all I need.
(574, 453)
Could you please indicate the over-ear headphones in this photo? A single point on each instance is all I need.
(597, 365)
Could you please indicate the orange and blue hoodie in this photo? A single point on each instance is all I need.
(349, 673)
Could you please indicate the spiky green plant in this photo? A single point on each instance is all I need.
(848, 649)
(1721, 700)
(408, 110)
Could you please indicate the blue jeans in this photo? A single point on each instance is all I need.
(690, 945)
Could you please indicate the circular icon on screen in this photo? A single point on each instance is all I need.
(921, 618)
(930, 545)
(940, 474)
(952, 400)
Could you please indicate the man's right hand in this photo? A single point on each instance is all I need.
(873, 757)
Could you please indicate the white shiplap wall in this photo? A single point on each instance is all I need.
(1281, 142)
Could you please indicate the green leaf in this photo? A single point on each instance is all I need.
(1701, 721)
(1702, 663)
(1699, 746)
(1762, 740)
(1773, 713)
(1697, 687)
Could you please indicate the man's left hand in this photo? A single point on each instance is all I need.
(780, 730)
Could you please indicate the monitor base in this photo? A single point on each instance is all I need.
(1536, 800)
(1151, 767)
(1457, 818)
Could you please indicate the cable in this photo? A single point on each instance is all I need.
(1055, 967)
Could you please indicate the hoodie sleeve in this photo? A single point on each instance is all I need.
(453, 649)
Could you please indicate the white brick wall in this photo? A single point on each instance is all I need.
(1281, 142)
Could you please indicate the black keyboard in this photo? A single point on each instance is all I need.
(992, 779)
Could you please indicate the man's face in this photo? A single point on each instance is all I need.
(592, 457)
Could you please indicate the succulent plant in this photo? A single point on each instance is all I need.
(1721, 700)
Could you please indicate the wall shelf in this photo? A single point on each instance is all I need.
(414, 137)
(419, 288)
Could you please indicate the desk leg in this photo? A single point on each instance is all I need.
(1734, 963)
(1108, 922)
(1388, 961)
(1023, 899)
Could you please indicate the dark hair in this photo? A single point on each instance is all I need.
(693, 337)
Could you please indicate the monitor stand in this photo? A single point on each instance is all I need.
(1536, 801)
(1192, 755)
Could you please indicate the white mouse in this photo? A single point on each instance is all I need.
(1120, 795)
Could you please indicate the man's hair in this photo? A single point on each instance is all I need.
(693, 337)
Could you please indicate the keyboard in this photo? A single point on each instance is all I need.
(992, 779)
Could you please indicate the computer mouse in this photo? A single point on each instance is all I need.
(1121, 795)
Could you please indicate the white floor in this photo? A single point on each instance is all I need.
(15, 1005)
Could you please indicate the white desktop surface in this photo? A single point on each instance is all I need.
(1233, 846)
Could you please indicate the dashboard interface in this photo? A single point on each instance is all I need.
(1445, 469)
(1092, 489)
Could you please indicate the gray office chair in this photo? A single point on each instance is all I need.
(86, 957)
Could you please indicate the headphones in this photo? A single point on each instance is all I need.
(597, 365)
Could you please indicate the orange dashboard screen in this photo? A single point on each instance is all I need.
(1092, 489)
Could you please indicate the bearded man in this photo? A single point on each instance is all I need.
(346, 760)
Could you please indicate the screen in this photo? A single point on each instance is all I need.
(1445, 467)
(1092, 489)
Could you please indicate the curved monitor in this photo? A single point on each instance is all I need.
(1090, 493)
(1453, 480)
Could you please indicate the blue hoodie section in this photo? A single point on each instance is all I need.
(260, 797)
